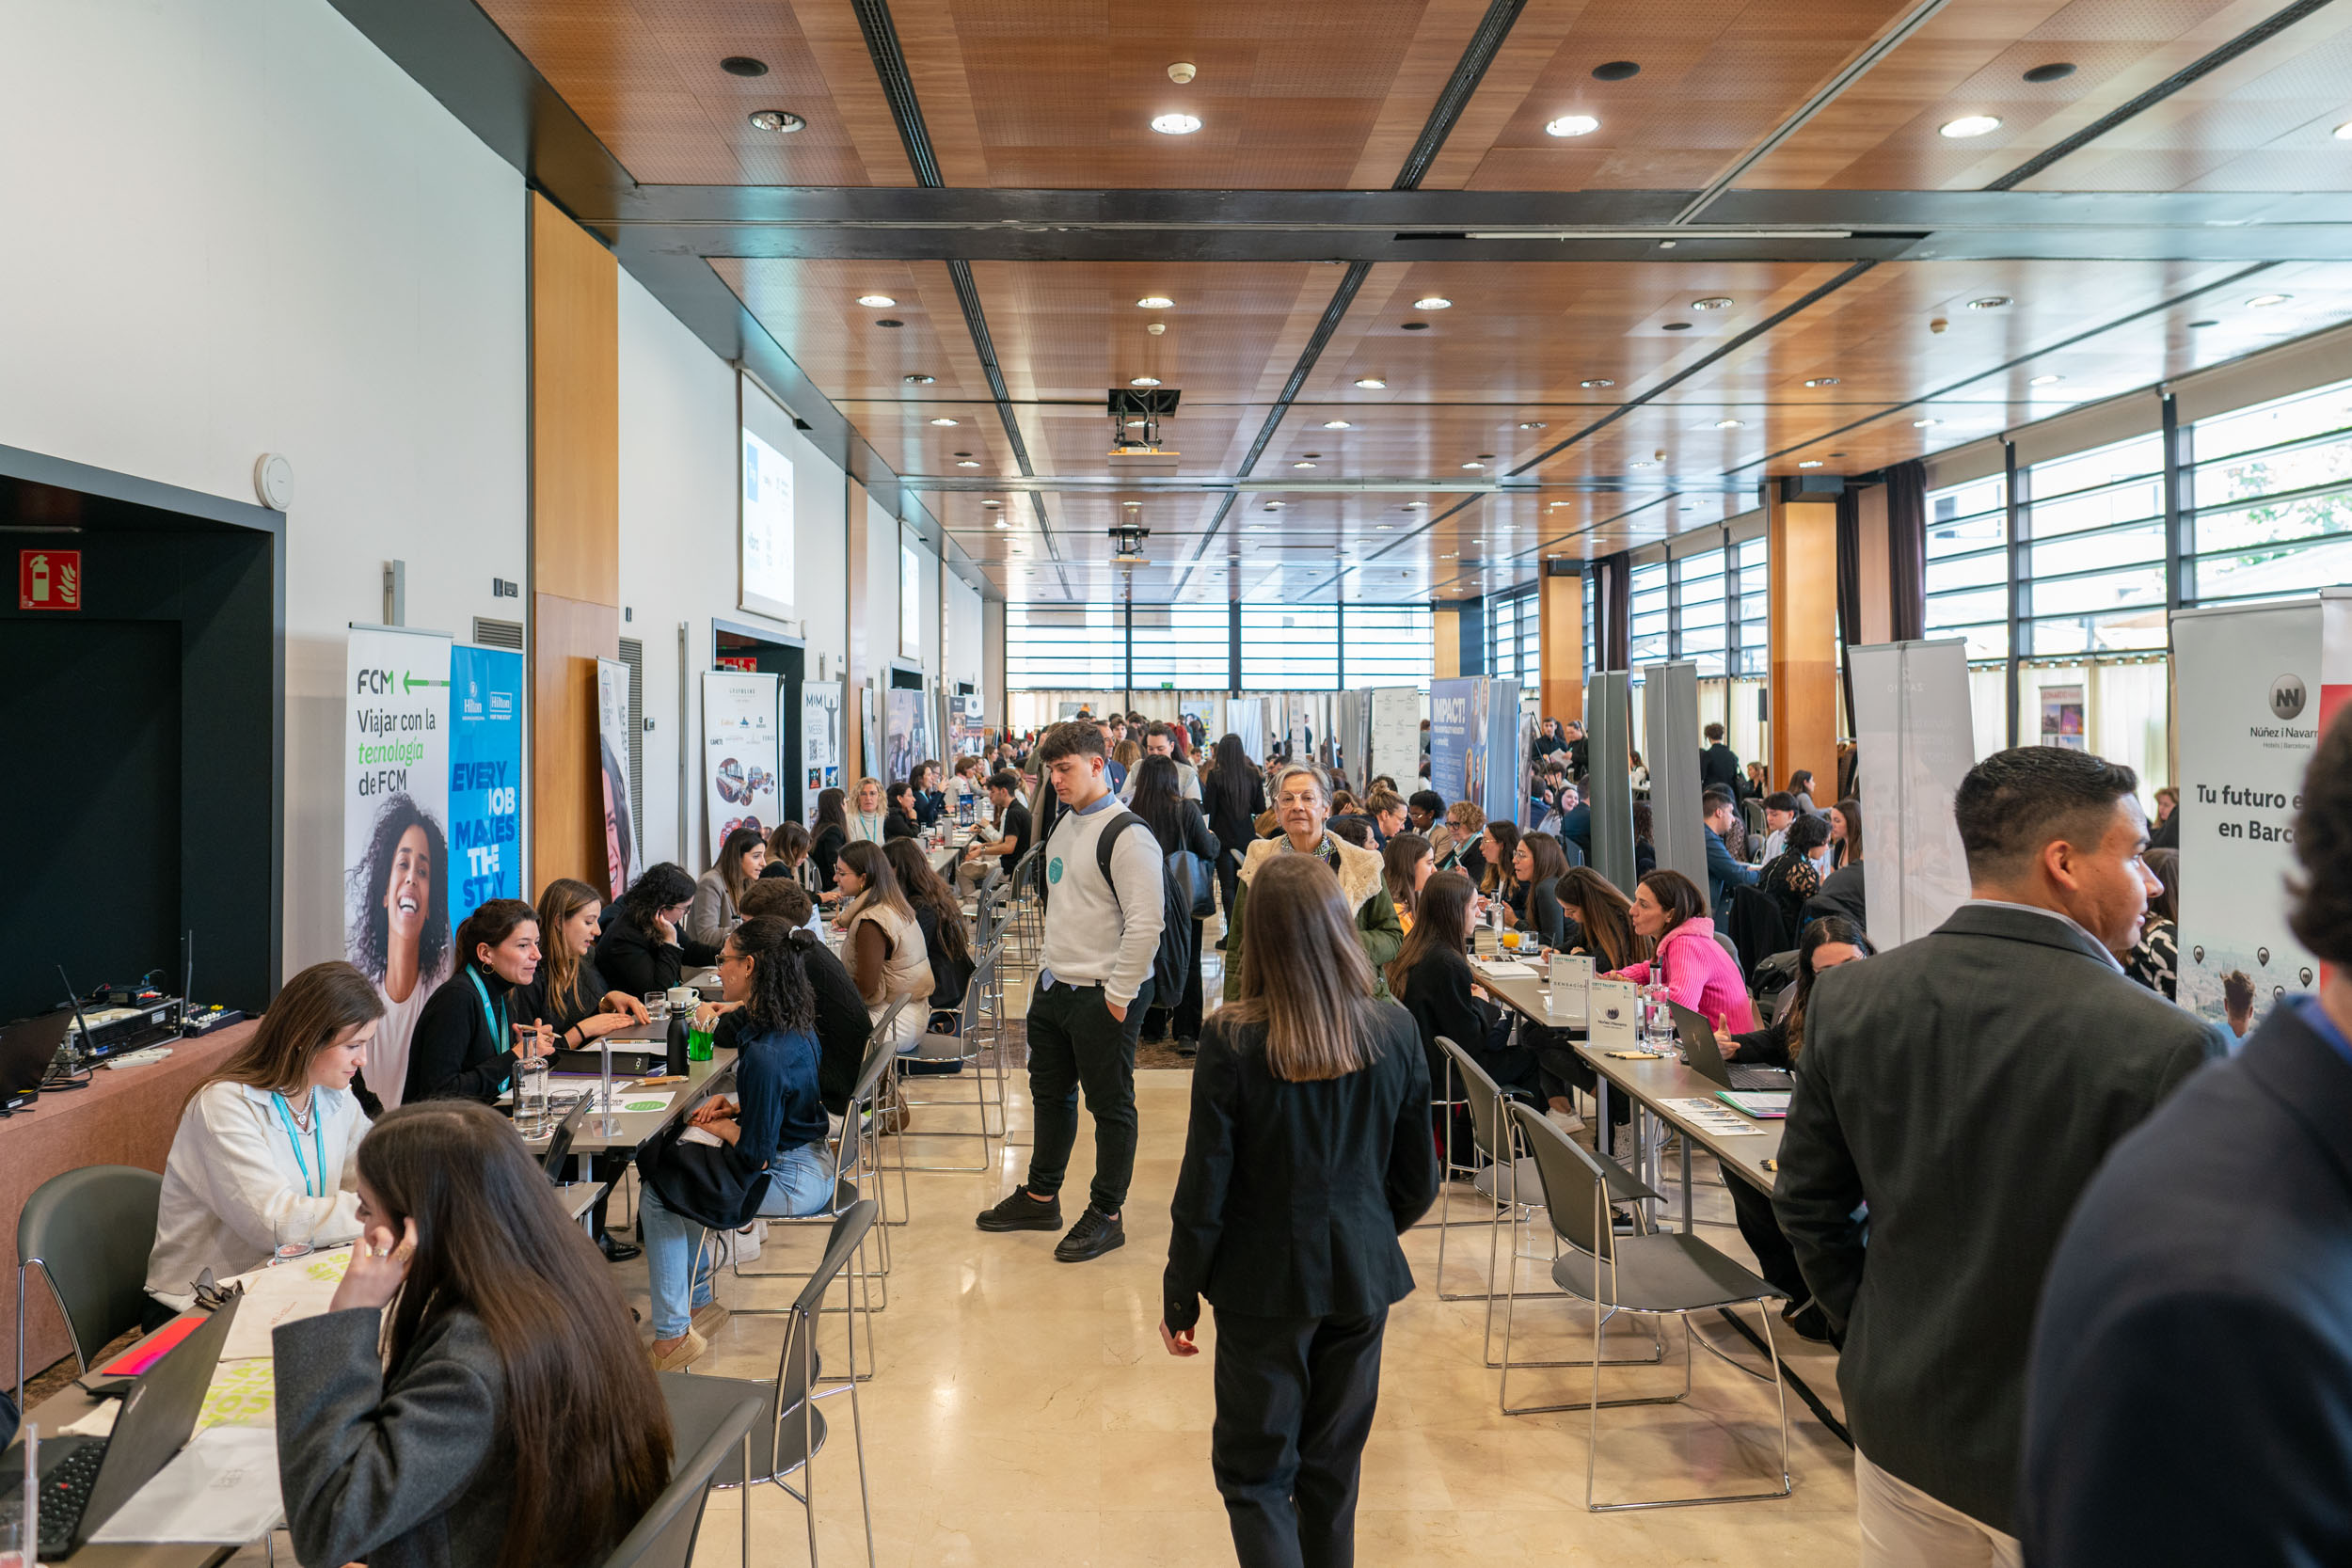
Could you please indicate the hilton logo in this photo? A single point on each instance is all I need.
(2287, 697)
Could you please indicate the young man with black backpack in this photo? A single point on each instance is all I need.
(1103, 913)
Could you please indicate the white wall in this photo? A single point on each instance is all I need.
(962, 659)
(242, 230)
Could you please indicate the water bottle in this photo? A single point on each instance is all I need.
(678, 1047)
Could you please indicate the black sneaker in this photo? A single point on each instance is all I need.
(617, 1250)
(1187, 1046)
(1095, 1234)
(1021, 1212)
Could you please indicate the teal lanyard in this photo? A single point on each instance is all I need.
(318, 1146)
(495, 1017)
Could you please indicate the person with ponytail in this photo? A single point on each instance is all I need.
(1309, 1154)
(470, 1034)
(759, 1153)
(473, 1396)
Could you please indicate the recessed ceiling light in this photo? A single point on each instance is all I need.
(1731, 424)
(1154, 302)
(2044, 380)
(1715, 302)
(1416, 327)
(1676, 326)
(942, 420)
(782, 121)
(878, 302)
(1823, 380)
(968, 462)
(1143, 381)
(1302, 463)
(1473, 465)
(1371, 383)
(1571, 125)
(2343, 132)
(1810, 462)
(2263, 302)
(2057, 70)
(918, 380)
(1384, 527)
(1923, 424)
(1643, 463)
(1968, 125)
(1001, 523)
(1615, 70)
(1257, 528)
(1337, 425)
(1175, 125)
(1433, 302)
(1416, 506)
(743, 65)
(1990, 302)
(1598, 380)
(992, 503)
(1530, 424)
(888, 322)
(1555, 506)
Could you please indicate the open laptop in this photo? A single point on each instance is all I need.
(27, 1049)
(85, 1480)
(1700, 1054)
(560, 1143)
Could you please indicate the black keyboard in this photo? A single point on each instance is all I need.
(65, 1493)
(1758, 1077)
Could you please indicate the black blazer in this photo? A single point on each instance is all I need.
(898, 824)
(1438, 994)
(1544, 915)
(1234, 813)
(532, 1004)
(824, 849)
(1964, 1086)
(1719, 765)
(843, 1026)
(632, 962)
(454, 1053)
(1292, 1195)
(2191, 1398)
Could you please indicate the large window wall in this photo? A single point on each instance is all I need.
(1097, 647)
(1515, 637)
(1702, 598)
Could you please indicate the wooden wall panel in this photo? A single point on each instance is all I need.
(575, 536)
(1560, 627)
(1447, 627)
(1802, 550)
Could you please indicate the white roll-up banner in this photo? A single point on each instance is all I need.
(2245, 682)
(739, 760)
(1397, 733)
(622, 855)
(1915, 730)
(396, 857)
(820, 740)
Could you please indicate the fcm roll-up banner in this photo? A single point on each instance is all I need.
(2335, 652)
(1916, 732)
(740, 758)
(2245, 724)
(485, 776)
(397, 874)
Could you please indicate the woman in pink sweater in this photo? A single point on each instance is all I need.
(1669, 908)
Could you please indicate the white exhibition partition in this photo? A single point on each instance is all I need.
(1916, 737)
(1669, 726)
(1397, 733)
(2246, 688)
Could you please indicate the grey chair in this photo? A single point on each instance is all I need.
(793, 1431)
(1502, 1178)
(1665, 1273)
(968, 1047)
(706, 1420)
(88, 1232)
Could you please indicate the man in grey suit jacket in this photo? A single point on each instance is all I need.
(1956, 1095)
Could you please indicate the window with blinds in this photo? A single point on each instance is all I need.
(1967, 565)
(2093, 566)
(1290, 648)
(2268, 493)
(1388, 645)
(1183, 647)
(1652, 620)
(1079, 647)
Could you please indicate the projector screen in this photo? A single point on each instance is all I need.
(766, 532)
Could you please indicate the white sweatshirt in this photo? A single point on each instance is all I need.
(235, 1190)
(1091, 937)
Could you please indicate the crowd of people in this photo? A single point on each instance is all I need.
(2016, 1190)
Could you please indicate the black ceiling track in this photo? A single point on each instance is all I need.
(1484, 44)
(2259, 33)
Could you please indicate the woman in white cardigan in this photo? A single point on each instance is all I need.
(266, 1153)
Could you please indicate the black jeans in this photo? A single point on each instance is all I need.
(1075, 1043)
(1294, 1403)
(1228, 889)
(1776, 1259)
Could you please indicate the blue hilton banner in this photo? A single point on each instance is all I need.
(486, 770)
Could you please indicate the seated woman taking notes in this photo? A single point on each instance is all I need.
(264, 1154)
(473, 1396)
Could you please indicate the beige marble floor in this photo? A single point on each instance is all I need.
(1024, 1411)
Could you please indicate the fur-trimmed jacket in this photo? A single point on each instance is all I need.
(1361, 884)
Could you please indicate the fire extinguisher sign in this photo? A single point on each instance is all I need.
(49, 580)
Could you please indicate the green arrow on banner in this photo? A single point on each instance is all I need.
(413, 682)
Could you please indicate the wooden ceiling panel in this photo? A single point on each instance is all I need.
(810, 308)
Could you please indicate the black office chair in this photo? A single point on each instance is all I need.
(706, 1418)
(90, 1232)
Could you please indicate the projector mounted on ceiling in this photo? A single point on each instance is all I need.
(1136, 414)
(1127, 545)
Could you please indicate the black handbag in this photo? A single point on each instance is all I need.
(698, 1180)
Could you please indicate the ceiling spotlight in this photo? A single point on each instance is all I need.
(1001, 523)
(1823, 380)
(2343, 132)
(2263, 302)
(1416, 327)
(918, 380)
(1990, 302)
(1717, 302)
(1302, 463)
(1555, 506)
(782, 121)
(891, 321)
(1598, 380)
(1384, 527)
(943, 421)
(743, 65)
(1175, 125)
(1810, 462)
(1571, 125)
(879, 302)
(1643, 463)
(1416, 506)
(968, 462)
(1923, 424)
(1731, 424)
(1433, 302)
(1337, 425)
(1968, 125)
(1257, 528)
(2044, 380)
(1530, 424)
(1371, 383)
(992, 503)
(1143, 381)
(1473, 465)
(1154, 302)
(2057, 70)
(1274, 506)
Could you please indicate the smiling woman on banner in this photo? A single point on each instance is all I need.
(265, 1156)
(398, 925)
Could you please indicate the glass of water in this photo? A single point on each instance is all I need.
(656, 1005)
(531, 1097)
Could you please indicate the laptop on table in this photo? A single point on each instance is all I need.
(1700, 1053)
(85, 1480)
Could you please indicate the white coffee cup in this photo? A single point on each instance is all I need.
(682, 998)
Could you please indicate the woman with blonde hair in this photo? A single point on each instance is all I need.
(1456, 841)
(868, 818)
(883, 943)
(1309, 1154)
